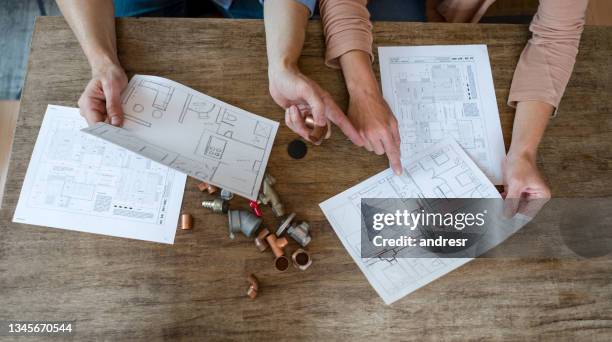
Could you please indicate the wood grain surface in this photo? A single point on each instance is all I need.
(118, 289)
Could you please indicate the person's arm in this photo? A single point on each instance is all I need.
(93, 23)
(348, 36)
(285, 24)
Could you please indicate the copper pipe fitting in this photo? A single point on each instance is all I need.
(277, 244)
(186, 221)
(260, 240)
(253, 286)
(211, 189)
(278, 248)
(301, 259)
(317, 133)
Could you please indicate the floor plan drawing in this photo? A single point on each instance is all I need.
(194, 133)
(79, 182)
(445, 91)
(440, 171)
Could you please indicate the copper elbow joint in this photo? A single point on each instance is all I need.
(211, 189)
(253, 286)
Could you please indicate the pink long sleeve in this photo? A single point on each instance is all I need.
(347, 27)
(547, 61)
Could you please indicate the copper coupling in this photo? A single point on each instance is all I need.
(277, 245)
(301, 259)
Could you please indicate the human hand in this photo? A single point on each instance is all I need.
(297, 93)
(377, 126)
(101, 100)
(526, 192)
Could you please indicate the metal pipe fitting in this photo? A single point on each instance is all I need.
(253, 286)
(278, 249)
(218, 205)
(317, 133)
(300, 233)
(301, 259)
(186, 221)
(269, 196)
(226, 194)
(242, 221)
(211, 189)
(260, 240)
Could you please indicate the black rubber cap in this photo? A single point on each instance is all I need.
(297, 149)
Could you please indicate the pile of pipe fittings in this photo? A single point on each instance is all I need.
(249, 223)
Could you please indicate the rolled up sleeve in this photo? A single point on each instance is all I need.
(547, 62)
(347, 27)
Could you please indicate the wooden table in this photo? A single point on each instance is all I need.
(195, 289)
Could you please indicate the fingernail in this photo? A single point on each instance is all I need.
(115, 121)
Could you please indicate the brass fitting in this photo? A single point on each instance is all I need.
(317, 133)
(253, 286)
(278, 249)
(269, 196)
(301, 259)
(211, 189)
(218, 205)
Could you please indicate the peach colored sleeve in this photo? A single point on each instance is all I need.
(347, 27)
(547, 61)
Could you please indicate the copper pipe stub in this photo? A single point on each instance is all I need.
(186, 221)
(317, 133)
(253, 286)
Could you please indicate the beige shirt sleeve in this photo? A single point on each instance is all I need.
(547, 61)
(347, 27)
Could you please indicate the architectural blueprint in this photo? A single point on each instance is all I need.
(194, 133)
(444, 91)
(78, 182)
(442, 170)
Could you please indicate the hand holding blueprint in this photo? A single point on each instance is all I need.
(78, 182)
(440, 171)
(444, 91)
(193, 133)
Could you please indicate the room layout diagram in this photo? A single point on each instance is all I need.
(440, 171)
(77, 181)
(445, 91)
(194, 133)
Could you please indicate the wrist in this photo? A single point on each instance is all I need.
(524, 153)
(358, 74)
(102, 62)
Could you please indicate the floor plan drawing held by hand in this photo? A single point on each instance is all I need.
(443, 91)
(191, 132)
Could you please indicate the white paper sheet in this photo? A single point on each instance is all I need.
(76, 181)
(443, 170)
(194, 133)
(444, 91)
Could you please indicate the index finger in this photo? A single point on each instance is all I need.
(393, 153)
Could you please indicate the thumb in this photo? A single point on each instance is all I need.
(112, 93)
